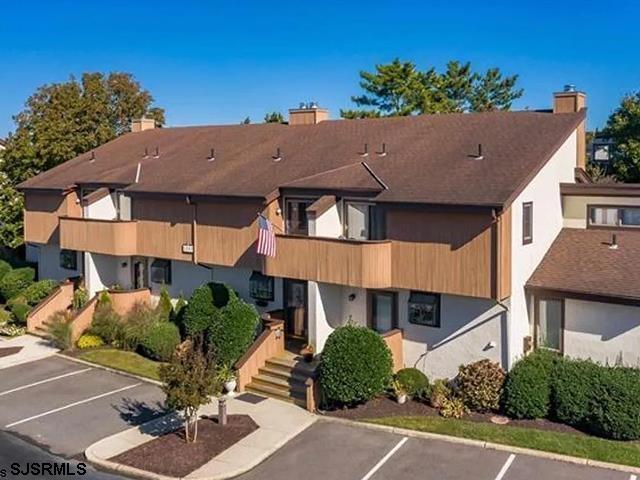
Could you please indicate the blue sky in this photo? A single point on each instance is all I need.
(217, 62)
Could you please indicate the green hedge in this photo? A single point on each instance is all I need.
(38, 291)
(232, 332)
(200, 311)
(414, 382)
(5, 268)
(161, 341)
(527, 390)
(15, 281)
(356, 365)
(572, 391)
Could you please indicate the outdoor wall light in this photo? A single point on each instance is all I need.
(352, 297)
(124, 264)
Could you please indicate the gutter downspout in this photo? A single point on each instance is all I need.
(497, 280)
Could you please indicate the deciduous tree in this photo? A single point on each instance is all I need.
(623, 126)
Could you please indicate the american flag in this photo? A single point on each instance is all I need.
(266, 238)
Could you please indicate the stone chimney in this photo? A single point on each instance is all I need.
(308, 114)
(571, 100)
(142, 124)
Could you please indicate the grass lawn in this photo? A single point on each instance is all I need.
(129, 362)
(627, 453)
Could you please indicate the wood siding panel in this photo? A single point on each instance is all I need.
(163, 227)
(447, 252)
(41, 214)
(504, 272)
(98, 236)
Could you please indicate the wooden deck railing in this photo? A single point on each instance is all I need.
(269, 343)
(60, 299)
(109, 237)
(393, 339)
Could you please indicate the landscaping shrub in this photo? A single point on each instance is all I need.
(5, 268)
(413, 381)
(200, 311)
(89, 340)
(572, 384)
(177, 315)
(232, 332)
(20, 312)
(15, 281)
(38, 291)
(222, 294)
(161, 340)
(136, 324)
(527, 389)
(106, 323)
(480, 385)
(5, 317)
(59, 330)
(80, 298)
(453, 407)
(615, 405)
(356, 365)
(165, 307)
(440, 392)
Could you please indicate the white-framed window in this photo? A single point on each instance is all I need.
(527, 223)
(613, 216)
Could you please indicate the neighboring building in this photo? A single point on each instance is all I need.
(600, 152)
(431, 224)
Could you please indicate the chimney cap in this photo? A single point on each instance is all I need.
(142, 124)
(570, 87)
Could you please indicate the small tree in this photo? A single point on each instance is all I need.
(189, 380)
(165, 307)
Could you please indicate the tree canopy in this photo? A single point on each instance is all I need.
(274, 117)
(400, 88)
(623, 127)
(61, 121)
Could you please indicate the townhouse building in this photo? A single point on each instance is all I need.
(450, 228)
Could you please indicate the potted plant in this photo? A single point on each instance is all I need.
(307, 352)
(228, 378)
(400, 392)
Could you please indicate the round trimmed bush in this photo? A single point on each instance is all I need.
(232, 332)
(89, 340)
(615, 405)
(15, 281)
(38, 291)
(356, 365)
(161, 341)
(573, 382)
(200, 311)
(414, 382)
(527, 390)
(20, 312)
(480, 385)
(5, 268)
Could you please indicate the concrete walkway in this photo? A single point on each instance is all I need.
(33, 348)
(279, 422)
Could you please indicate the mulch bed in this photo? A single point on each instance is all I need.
(170, 455)
(386, 407)
(5, 352)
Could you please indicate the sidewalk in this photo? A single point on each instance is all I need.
(279, 422)
(33, 348)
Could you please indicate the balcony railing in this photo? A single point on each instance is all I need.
(331, 260)
(109, 237)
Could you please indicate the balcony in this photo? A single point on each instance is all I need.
(363, 264)
(109, 237)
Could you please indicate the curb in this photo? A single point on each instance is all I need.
(109, 369)
(135, 472)
(488, 445)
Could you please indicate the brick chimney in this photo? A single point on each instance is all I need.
(308, 114)
(142, 124)
(571, 100)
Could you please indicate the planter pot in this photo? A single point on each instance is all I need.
(401, 399)
(230, 385)
(307, 356)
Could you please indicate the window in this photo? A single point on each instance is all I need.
(424, 309)
(364, 221)
(614, 216)
(296, 216)
(527, 223)
(69, 259)
(549, 322)
(261, 287)
(161, 271)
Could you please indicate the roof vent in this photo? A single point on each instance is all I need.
(614, 242)
(570, 88)
(93, 157)
(365, 153)
(157, 154)
(383, 152)
(277, 157)
(479, 155)
(146, 153)
(212, 155)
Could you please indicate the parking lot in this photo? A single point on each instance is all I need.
(65, 406)
(330, 451)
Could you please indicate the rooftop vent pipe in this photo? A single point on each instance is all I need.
(614, 242)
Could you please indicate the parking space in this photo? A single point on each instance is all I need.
(65, 406)
(330, 451)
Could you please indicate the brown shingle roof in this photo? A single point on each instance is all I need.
(427, 157)
(581, 262)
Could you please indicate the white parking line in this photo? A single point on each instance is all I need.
(506, 466)
(74, 404)
(384, 459)
(52, 379)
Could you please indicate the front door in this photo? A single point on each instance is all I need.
(295, 308)
(140, 275)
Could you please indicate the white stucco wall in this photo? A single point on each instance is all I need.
(49, 263)
(105, 271)
(604, 332)
(328, 224)
(544, 192)
(103, 209)
(575, 207)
